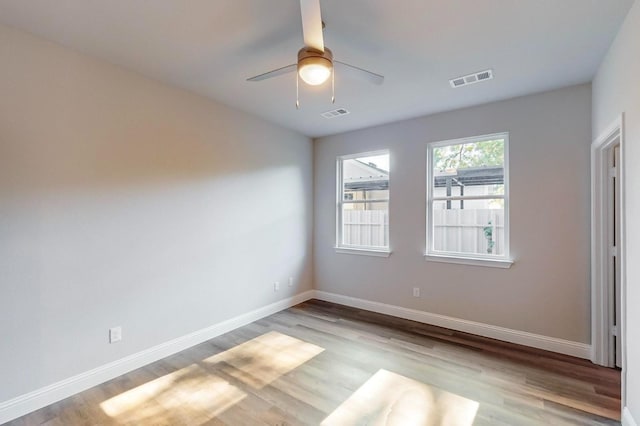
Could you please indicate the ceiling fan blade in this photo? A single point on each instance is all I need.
(312, 24)
(360, 72)
(274, 73)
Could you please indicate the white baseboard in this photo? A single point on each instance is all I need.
(627, 418)
(580, 350)
(42, 397)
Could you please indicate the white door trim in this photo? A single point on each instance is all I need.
(601, 297)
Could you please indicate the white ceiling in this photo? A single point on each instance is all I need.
(212, 46)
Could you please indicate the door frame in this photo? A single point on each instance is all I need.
(602, 298)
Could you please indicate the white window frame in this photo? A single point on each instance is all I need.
(361, 250)
(503, 261)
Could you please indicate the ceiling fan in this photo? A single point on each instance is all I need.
(315, 61)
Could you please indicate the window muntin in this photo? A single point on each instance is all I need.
(467, 198)
(363, 201)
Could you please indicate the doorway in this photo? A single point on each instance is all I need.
(607, 248)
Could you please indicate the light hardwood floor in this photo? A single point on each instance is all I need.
(321, 363)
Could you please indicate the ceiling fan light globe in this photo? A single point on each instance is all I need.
(315, 67)
(314, 74)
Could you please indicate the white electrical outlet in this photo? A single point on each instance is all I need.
(115, 334)
(416, 292)
(290, 281)
(276, 286)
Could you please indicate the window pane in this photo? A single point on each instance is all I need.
(365, 224)
(475, 168)
(469, 227)
(366, 178)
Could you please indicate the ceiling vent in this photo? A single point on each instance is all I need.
(335, 113)
(471, 78)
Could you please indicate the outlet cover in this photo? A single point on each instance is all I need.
(115, 334)
(276, 286)
(416, 292)
(290, 281)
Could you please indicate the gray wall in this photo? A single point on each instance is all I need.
(615, 90)
(546, 291)
(126, 202)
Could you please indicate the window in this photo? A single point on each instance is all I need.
(468, 201)
(363, 202)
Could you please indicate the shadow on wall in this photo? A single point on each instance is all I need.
(69, 120)
(109, 149)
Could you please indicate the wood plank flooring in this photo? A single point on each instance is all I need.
(321, 363)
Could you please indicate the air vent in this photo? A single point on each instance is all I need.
(484, 75)
(335, 113)
(471, 78)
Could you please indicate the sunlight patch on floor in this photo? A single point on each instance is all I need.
(195, 395)
(390, 399)
(191, 394)
(265, 358)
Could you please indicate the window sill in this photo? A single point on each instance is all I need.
(473, 261)
(363, 251)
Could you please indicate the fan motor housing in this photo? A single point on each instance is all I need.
(308, 56)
